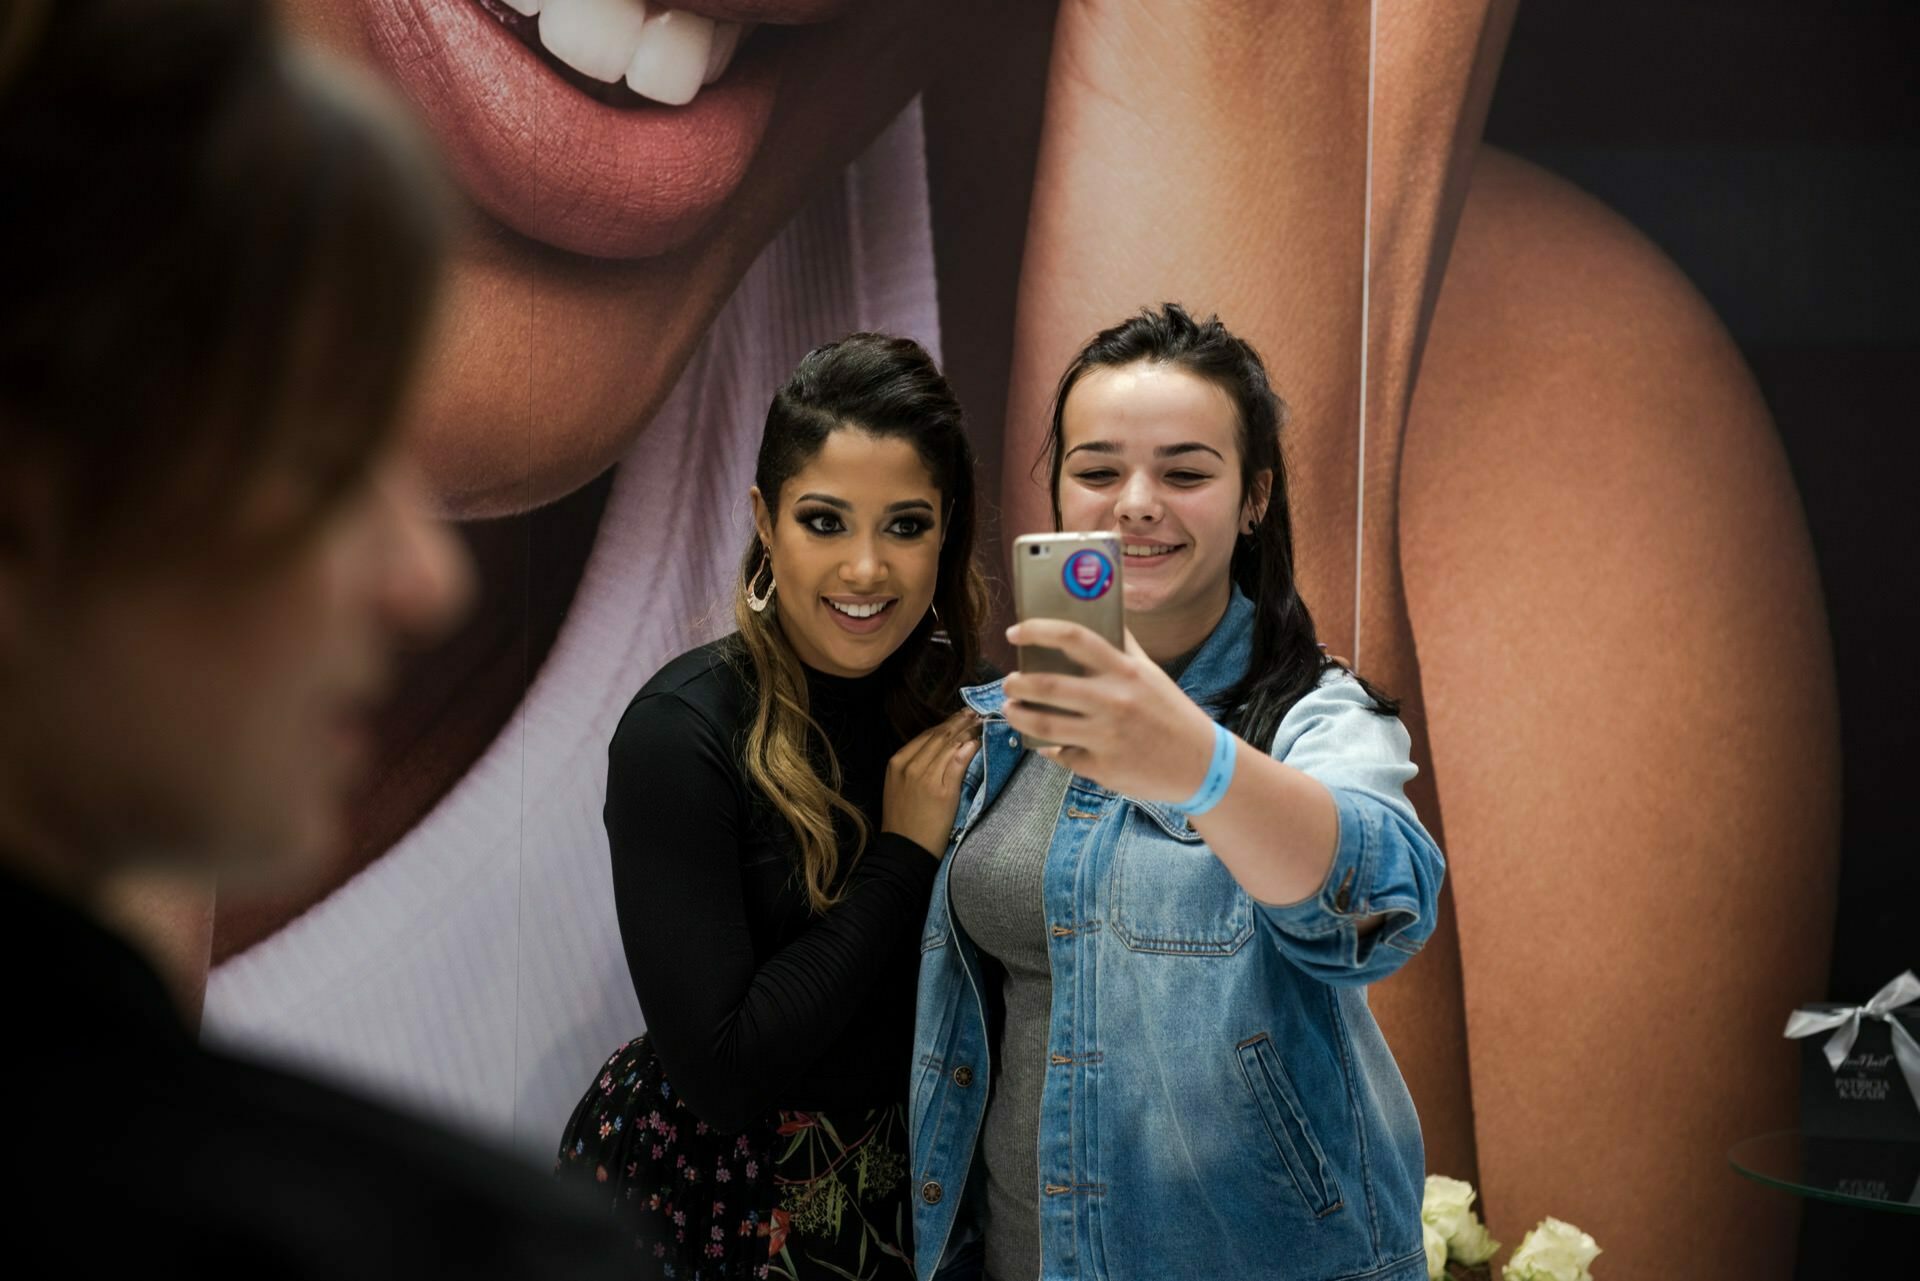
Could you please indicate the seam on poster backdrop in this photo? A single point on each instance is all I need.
(526, 682)
(1366, 300)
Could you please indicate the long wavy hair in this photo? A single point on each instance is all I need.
(1287, 659)
(886, 387)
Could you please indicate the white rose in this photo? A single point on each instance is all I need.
(1436, 1252)
(1447, 1204)
(1473, 1244)
(1447, 1207)
(1553, 1251)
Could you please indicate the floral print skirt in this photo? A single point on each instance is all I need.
(803, 1195)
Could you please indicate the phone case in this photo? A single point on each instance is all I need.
(1073, 576)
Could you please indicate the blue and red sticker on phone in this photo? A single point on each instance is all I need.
(1088, 574)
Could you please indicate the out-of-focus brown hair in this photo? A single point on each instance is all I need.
(219, 261)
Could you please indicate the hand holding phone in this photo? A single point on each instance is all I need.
(1070, 576)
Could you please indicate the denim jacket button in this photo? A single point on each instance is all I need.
(930, 1192)
(1013, 740)
(963, 1076)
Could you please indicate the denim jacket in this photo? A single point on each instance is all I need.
(1219, 1102)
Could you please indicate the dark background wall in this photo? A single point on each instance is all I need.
(1772, 149)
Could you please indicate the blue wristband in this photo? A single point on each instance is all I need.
(1213, 788)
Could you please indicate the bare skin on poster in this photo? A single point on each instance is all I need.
(1576, 528)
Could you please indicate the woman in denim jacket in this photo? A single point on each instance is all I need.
(1143, 1046)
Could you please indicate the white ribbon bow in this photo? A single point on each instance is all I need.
(1903, 990)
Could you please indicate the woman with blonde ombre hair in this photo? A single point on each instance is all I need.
(776, 803)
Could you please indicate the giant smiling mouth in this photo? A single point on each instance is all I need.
(602, 127)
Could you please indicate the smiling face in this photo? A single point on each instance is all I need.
(610, 220)
(855, 544)
(1152, 451)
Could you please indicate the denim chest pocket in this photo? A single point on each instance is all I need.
(1169, 894)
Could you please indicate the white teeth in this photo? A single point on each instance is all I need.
(860, 611)
(1143, 549)
(595, 37)
(666, 56)
(671, 57)
(726, 38)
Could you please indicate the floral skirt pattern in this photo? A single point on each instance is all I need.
(802, 1195)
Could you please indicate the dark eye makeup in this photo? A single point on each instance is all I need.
(1102, 475)
(821, 520)
(824, 521)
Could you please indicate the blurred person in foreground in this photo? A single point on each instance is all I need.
(220, 265)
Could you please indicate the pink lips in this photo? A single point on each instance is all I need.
(560, 167)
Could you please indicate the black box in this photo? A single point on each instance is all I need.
(1869, 1171)
(1868, 1097)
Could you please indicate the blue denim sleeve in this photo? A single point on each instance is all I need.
(1386, 863)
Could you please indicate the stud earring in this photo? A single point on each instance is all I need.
(758, 603)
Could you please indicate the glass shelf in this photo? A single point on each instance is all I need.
(1879, 1176)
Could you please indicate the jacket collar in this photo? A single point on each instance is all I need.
(1220, 661)
(105, 992)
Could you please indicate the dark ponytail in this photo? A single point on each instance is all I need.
(1287, 660)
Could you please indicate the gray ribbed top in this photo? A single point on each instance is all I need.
(995, 892)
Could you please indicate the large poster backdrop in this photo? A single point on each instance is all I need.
(1537, 496)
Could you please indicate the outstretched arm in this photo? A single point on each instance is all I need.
(1631, 704)
(1315, 827)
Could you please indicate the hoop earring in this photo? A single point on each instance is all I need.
(758, 604)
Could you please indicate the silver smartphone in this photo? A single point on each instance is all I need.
(1073, 576)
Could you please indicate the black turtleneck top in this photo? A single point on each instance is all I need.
(754, 1002)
